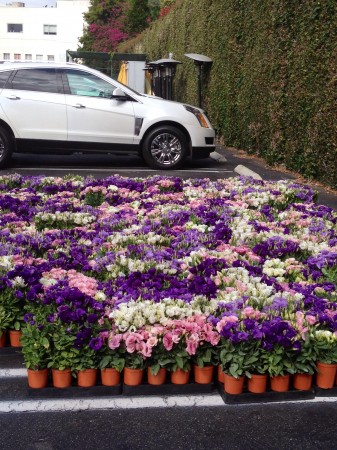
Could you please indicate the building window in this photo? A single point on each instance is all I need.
(28, 57)
(39, 57)
(17, 56)
(49, 29)
(7, 56)
(14, 28)
(51, 57)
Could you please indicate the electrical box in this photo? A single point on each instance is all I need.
(136, 75)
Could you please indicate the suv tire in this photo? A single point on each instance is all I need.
(6, 147)
(165, 148)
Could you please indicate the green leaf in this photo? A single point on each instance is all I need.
(180, 362)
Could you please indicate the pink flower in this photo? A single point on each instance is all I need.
(168, 341)
(114, 340)
(152, 341)
(192, 343)
(241, 250)
(145, 349)
(176, 334)
(225, 320)
(212, 337)
(311, 319)
(132, 341)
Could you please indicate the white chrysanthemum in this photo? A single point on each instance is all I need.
(6, 262)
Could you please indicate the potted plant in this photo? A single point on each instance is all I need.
(63, 354)
(238, 350)
(257, 373)
(178, 363)
(134, 368)
(36, 353)
(156, 363)
(85, 366)
(304, 361)
(280, 367)
(111, 358)
(12, 314)
(203, 362)
(5, 322)
(325, 342)
(237, 359)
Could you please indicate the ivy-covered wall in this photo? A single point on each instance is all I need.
(272, 88)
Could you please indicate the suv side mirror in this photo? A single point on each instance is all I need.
(118, 94)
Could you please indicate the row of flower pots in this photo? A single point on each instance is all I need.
(325, 378)
(111, 377)
(257, 383)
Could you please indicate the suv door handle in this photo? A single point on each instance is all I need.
(78, 105)
(13, 97)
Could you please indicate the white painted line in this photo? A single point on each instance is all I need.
(13, 373)
(110, 403)
(313, 400)
(100, 403)
(243, 170)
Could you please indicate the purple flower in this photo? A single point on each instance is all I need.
(96, 343)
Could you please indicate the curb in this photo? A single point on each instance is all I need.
(243, 170)
(217, 157)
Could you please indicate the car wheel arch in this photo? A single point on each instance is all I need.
(7, 143)
(7, 127)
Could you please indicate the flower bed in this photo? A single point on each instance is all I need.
(165, 273)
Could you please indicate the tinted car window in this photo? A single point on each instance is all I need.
(4, 77)
(84, 83)
(41, 80)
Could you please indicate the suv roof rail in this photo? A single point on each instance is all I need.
(29, 61)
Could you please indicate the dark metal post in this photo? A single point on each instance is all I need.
(199, 61)
(199, 76)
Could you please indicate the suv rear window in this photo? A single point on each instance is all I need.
(41, 80)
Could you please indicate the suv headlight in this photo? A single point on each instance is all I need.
(198, 114)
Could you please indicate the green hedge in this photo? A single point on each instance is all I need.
(272, 87)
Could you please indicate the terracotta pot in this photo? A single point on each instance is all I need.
(86, 377)
(233, 385)
(257, 383)
(179, 376)
(203, 375)
(37, 379)
(280, 383)
(3, 339)
(326, 374)
(220, 374)
(14, 338)
(160, 378)
(133, 377)
(302, 381)
(110, 377)
(61, 378)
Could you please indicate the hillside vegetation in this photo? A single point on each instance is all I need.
(272, 88)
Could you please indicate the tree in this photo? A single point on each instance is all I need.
(110, 22)
(138, 16)
(106, 25)
(154, 6)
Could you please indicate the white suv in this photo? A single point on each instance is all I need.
(65, 108)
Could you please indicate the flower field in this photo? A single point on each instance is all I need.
(165, 273)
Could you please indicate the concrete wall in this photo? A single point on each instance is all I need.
(67, 16)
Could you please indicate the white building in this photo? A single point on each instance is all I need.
(41, 34)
